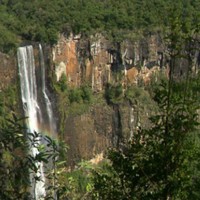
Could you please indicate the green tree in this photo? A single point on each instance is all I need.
(14, 171)
(157, 162)
(17, 164)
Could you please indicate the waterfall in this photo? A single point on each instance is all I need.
(37, 109)
(46, 98)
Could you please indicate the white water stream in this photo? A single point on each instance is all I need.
(33, 110)
(51, 122)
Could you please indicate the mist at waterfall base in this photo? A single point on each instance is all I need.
(37, 108)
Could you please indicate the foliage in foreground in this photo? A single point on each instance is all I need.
(19, 168)
(13, 170)
(158, 163)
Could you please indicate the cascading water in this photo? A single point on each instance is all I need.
(49, 109)
(34, 110)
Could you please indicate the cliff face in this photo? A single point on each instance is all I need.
(8, 71)
(95, 59)
(103, 126)
(90, 133)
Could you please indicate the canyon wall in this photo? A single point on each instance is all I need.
(95, 61)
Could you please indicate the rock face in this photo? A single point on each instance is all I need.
(83, 60)
(65, 57)
(101, 127)
(8, 71)
(90, 133)
(93, 60)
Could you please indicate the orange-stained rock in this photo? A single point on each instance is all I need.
(132, 75)
(65, 52)
(94, 70)
(88, 70)
(148, 73)
(89, 60)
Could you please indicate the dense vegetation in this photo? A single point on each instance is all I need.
(161, 162)
(42, 20)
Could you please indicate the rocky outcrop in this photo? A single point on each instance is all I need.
(95, 59)
(65, 58)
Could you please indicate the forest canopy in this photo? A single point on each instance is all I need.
(42, 20)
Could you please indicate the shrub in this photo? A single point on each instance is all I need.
(114, 94)
(75, 95)
(86, 93)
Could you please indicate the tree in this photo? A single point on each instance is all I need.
(17, 165)
(156, 164)
(13, 170)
